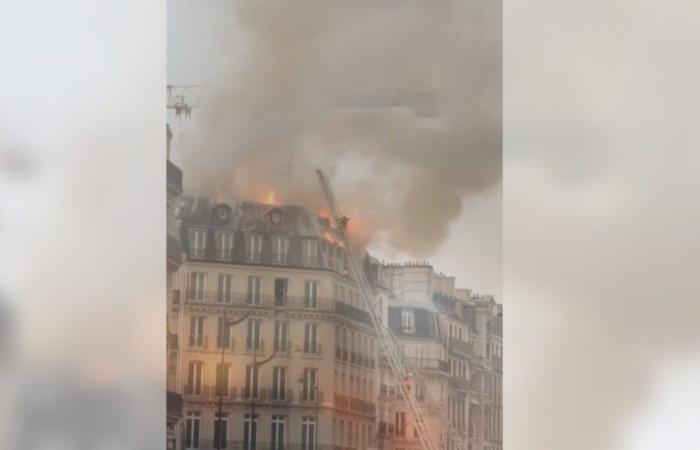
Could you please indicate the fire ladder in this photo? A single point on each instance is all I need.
(400, 367)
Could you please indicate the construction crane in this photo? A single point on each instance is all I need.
(400, 366)
(182, 98)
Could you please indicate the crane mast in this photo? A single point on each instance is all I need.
(400, 367)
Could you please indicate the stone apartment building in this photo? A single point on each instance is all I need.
(455, 339)
(272, 329)
(275, 349)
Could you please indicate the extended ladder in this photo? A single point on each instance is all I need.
(400, 367)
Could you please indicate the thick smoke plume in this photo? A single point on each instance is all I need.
(274, 115)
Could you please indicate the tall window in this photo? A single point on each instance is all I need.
(254, 245)
(197, 242)
(254, 290)
(225, 283)
(222, 379)
(251, 381)
(277, 433)
(223, 338)
(309, 252)
(253, 339)
(310, 338)
(408, 321)
(281, 291)
(197, 332)
(311, 294)
(279, 383)
(224, 245)
(281, 336)
(194, 378)
(192, 430)
(344, 343)
(309, 388)
(250, 432)
(400, 423)
(280, 249)
(220, 430)
(308, 433)
(197, 280)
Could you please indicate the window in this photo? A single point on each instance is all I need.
(279, 383)
(311, 294)
(224, 245)
(308, 433)
(197, 280)
(277, 433)
(197, 338)
(223, 337)
(253, 339)
(310, 338)
(251, 381)
(408, 321)
(222, 379)
(250, 432)
(220, 430)
(254, 291)
(280, 249)
(281, 343)
(194, 378)
(344, 343)
(192, 430)
(309, 252)
(225, 282)
(254, 248)
(400, 423)
(281, 291)
(197, 242)
(310, 387)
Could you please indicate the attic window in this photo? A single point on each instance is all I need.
(408, 321)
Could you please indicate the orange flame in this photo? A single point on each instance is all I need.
(270, 198)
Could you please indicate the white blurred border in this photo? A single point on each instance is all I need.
(82, 220)
(601, 219)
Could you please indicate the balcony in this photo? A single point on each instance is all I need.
(227, 344)
(247, 300)
(280, 258)
(312, 349)
(346, 403)
(209, 444)
(224, 254)
(199, 341)
(253, 257)
(461, 347)
(459, 383)
(310, 397)
(282, 348)
(254, 345)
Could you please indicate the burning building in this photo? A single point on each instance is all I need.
(278, 350)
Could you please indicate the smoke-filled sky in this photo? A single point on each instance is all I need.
(270, 73)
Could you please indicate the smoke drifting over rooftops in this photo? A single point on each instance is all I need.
(400, 102)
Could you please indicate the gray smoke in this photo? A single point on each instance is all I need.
(268, 120)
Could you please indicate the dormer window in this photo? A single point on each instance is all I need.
(408, 321)
(197, 242)
(254, 248)
(280, 249)
(224, 245)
